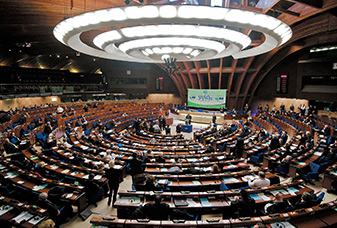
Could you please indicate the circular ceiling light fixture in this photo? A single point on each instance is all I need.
(184, 32)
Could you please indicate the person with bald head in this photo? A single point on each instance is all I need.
(326, 131)
(51, 207)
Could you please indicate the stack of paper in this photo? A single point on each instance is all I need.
(24, 216)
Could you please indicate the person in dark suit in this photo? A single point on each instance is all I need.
(274, 143)
(178, 128)
(160, 158)
(93, 191)
(244, 205)
(307, 200)
(239, 147)
(114, 178)
(150, 184)
(214, 119)
(51, 207)
(284, 138)
(278, 205)
(168, 130)
(157, 210)
(10, 147)
(191, 169)
(48, 128)
(14, 139)
(326, 130)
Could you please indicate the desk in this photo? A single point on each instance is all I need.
(328, 178)
(186, 128)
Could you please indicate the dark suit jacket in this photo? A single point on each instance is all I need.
(113, 176)
(157, 211)
(246, 208)
(239, 148)
(277, 207)
(10, 148)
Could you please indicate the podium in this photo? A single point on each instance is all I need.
(186, 128)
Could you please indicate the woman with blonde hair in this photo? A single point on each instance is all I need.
(114, 177)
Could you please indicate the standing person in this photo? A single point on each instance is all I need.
(222, 109)
(292, 108)
(178, 128)
(259, 108)
(239, 147)
(246, 108)
(168, 130)
(160, 120)
(114, 178)
(266, 108)
(214, 118)
(188, 119)
(282, 108)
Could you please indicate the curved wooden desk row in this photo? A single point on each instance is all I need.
(208, 199)
(37, 185)
(323, 215)
(21, 214)
(161, 138)
(203, 168)
(204, 181)
(65, 169)
(199, 162)
(169, 141)
(330, 175)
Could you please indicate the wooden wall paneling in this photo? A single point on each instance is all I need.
(209, 75)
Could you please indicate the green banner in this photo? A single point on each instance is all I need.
(207, 98)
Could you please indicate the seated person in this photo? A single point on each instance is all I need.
(157, 210)
(14, 139)
(160, 158)
(48, 128)
(93, 191)
(150, 184)
(326, 131)
(215, 169)
(213, 158)
(244, 205)
(10, 147)
(191, 169)
(278, 205)
(175, 168)
(307, 200)
(262, 181)
(57, 213)
(42, 171)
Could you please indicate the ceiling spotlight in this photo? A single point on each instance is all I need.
(127, 2)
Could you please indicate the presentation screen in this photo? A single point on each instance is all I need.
(207, 98)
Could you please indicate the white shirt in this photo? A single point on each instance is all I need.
(59, 110)
(259, 183)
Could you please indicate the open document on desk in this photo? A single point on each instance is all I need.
(24, 216)
(128, 200)
(4, 209)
